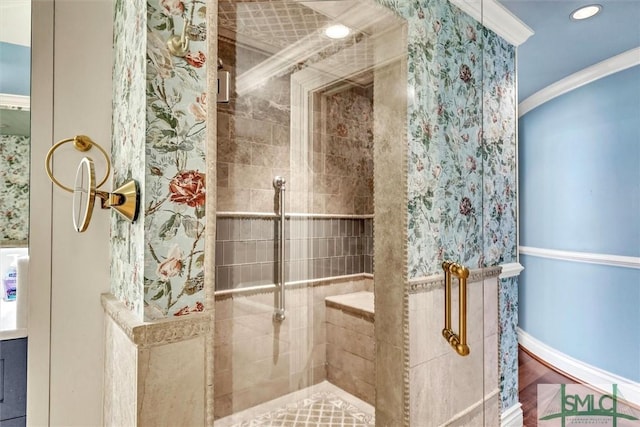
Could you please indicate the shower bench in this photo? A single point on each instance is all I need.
(351, 343)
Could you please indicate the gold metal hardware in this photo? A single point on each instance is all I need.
(81, 143)
(457, 341)
(178, 45)
(124, 200)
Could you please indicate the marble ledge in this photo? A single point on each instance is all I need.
(358, 303)
(436, 281)
(158, 332)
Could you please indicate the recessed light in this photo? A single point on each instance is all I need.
(337, 31)
(586, 12)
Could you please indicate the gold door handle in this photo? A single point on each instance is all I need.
(457, 341)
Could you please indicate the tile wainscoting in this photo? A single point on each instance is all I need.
(316, 247)
(154, 371)
(257, 360)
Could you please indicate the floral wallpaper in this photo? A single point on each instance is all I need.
(499, 151)
(159, 132)
(174, 215)
(445, 138)
(14, 187)
(500, 199)
(462, 155)
(508, 341)
(127, 148)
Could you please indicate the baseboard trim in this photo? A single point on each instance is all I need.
(583, 372)
(512, 417)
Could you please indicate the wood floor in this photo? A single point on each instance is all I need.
(531, 373)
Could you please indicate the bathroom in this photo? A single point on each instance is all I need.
(354, 152)
(14, 211)
(348, 181)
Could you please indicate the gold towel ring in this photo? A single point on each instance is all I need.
(81, 143)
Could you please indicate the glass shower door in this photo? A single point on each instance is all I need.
(323, 96)
(294, 252)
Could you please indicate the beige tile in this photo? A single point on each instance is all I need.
(352, 384)
(358, 324)
(492, 412)
(334, 334)
(252, 130)
(475, 309)
(491, 373)
(491, 306)
(233, 199)
(223, 383)
(186, 360)
(120, 377)
(262, 393)
(223, 406)
(269, 155)
(279, 135)
(389, 317)
(222, 357)
(358, 344)
(432, 394)
(467, 378)
(263, 201)
(234, 151)
(250, 350)
(224, 308)
(389, 381)
(261, 372)
(222, 175)
(222, 126)
(334, 316)
(250, 177)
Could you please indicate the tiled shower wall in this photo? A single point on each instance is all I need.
(332, 175)
(257, 360)
(317, 248)
(461, 160)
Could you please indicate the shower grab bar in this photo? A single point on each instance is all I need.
(279, 183)
(457, 341)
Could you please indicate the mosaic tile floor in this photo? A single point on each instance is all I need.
(325, 405)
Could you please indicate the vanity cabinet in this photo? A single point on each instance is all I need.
(13, 382)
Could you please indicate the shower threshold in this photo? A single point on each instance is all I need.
(320, 405)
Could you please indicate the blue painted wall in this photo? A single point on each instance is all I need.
(15, 69)
(580, 191)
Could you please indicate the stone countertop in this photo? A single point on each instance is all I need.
(8, 329)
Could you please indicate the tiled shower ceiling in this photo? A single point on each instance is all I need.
(278, 23)
(292, 31)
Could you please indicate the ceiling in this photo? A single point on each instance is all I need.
(558, 48)
(561, 46)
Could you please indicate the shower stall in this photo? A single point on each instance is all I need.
(354, 157)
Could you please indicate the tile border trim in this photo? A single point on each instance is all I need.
(158, 332)
(271, 215)
(227, 293)
(436, 281)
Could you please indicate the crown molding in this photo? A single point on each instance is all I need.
(17, 102)
(588, 75)
(498, 18)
